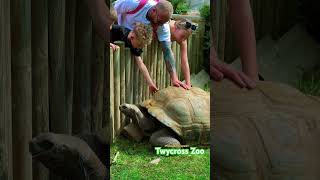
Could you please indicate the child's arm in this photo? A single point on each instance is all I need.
(142, 67)
(170, 63)
(184, 63)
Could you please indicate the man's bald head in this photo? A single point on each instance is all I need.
(165, 9)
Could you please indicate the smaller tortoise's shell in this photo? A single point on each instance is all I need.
(186, 112)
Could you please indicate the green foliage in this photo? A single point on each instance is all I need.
(310, 83)
(133, 163)
(205, 12)
(180, 6)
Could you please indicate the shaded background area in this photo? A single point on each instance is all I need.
(287, 34)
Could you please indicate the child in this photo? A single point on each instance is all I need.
(180, 31)
(139, 37)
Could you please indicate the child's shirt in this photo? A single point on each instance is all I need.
(120, 33)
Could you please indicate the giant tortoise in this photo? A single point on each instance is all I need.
(269, 133)
(184, 116)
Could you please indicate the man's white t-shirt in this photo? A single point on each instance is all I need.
(128, 20)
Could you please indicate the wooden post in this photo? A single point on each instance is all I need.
(141, 84)
(40, 77)
(178, 61)
(69, 62)
(57, 66)
(122, 79)
(133, 72)
(97, 77)
(128, 76)
(21, 88)
(111, 94)
(117, 92)
(145, 85)
(194, 53)
(136, 82)
(220, 25)
(159, 63)
(82, 95)
(5, 95)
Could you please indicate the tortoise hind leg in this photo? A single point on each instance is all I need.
(164, 137)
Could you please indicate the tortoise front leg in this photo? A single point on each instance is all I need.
(164, 137)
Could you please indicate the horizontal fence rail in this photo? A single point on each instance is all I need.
(127, 84)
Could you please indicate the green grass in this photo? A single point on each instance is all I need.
(133, 163)
(310, 83)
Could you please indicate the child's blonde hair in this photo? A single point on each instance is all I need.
(113, 14)
(143, 33)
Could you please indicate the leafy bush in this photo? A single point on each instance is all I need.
(180, 6)
(205, 12)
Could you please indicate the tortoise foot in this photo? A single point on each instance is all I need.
(133, 132)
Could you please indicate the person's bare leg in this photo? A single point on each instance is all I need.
(243, 28)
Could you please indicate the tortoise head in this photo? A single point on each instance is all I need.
(67, 156)
(132, 111)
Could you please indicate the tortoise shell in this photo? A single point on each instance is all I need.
(271, 132)
(186, 112)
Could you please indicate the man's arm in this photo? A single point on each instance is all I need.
(184, 62)
(243, 28)
(100, 16)
(142, 67)
(170, 63)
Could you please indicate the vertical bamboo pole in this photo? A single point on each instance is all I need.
(221, 7)
(57, 66)
(40, 76)
(178, 61)
(154, 62)
(194, 54)
(111, 93)
(82, 94)
(166, 70)
(151, 60)
(141, 81)
(57, 91)
(161, 73)
(132, 79)
(136, 81)
(159, 54)
(164, 80)
(97, 73)
(200, 36)
(21, 88)
(70, 49)
(128, 76)
(122, 78)
(5, 93)
(146, 61)
(117, 92)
